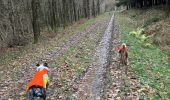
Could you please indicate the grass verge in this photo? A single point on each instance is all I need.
(151, 64)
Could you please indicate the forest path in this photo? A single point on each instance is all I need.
(92, 84)
(16, 75)
(72, 86)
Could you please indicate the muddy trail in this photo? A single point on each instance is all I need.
(13, 81)
(92, 85)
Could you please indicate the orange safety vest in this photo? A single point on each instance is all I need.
(38, 77)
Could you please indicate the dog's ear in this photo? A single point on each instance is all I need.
(45, 64)
(38, 65)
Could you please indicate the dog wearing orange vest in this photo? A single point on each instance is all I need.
(123, 52)
(36, 89)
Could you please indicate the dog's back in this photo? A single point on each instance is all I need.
(36, 93)
(123, 51)
(36, 89)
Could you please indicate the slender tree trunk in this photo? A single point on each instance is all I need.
(75, 12)
(167, 3)
(93, 9)
(167, 7)
(35, 21)
(98, 7)
(88, 8)
(85, 8)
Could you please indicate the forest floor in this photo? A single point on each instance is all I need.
(84, 64)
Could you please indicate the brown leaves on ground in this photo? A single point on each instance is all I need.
(149, 90)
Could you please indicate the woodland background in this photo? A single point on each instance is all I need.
(22, 21)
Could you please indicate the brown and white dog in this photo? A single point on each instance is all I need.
(123, 52)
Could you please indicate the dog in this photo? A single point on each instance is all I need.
(123, 52)
(36, 89)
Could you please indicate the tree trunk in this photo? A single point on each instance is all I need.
(88, 8)
(93, 9)
(75, 12)
(98, 7)
(85, 8)
(167, 7)
(36, 21)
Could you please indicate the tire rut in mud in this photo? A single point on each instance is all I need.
(92, 84)
(64, 92)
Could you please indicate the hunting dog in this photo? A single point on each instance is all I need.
(36, 89)
(123, 52)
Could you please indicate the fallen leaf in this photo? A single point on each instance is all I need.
(22, 93)
(158, 75)
(118, 98)
(141, 90)
(162, 85)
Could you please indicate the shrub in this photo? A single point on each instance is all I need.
(139, 33)
(163, 41)
(150, 21)
(136, 33)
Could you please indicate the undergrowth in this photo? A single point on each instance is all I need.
(155, 22)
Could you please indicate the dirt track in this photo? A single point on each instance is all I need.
(104, 79)
(13, 80)
(92, 84)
